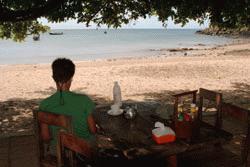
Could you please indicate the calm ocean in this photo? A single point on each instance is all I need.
(95, 44)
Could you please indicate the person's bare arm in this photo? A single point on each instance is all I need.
(91, 124)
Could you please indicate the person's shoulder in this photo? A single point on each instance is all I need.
(81, 96)
(84, 100)
(45, 102)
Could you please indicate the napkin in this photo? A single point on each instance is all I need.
(162, 130)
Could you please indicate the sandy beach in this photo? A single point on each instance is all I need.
(221, 68)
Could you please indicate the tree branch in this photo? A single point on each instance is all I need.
(8, 15)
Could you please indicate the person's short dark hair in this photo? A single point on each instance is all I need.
(63, 70)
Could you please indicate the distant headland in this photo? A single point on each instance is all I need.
(229, 32)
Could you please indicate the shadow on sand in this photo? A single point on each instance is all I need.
(16, 114)
(16, 117)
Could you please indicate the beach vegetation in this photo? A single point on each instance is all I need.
(18, 31)
(19, 18)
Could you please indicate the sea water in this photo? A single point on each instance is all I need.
(86, 44)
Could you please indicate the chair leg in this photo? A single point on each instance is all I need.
(172, 161)
(218, 146)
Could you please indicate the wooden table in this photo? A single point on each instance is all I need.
(133, 137)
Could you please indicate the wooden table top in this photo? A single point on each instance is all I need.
(134, 137)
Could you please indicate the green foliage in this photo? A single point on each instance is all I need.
(18, 31)
(18, 18)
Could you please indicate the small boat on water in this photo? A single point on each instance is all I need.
(56, 33)
(36, 37)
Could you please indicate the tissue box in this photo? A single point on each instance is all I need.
(163, 135)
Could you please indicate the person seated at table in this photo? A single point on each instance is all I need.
(66, 102)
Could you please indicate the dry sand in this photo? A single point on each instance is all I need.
(223, 68)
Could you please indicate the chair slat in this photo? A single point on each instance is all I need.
(54, 119)
(235, 111)
(75, 144)
(43, 121)
(208, 94)
(186, 93)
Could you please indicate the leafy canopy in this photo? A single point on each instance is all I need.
(18, 18)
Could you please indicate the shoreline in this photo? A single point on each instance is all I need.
(163, 52)
(29, 52)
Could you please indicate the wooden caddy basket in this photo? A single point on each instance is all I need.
(185, 129)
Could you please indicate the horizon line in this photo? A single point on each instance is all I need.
(126, 28)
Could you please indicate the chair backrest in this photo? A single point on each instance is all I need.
(182, 129)
(181, 95)
(74, 144)
(234, 111)
(43, 121)
(211, 96)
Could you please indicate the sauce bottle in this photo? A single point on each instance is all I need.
(180, 115)
(193, 110)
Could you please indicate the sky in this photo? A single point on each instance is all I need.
(147, 23)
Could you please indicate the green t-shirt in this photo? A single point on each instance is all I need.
(78, 106)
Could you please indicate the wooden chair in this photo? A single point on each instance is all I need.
(184, 130)
(214, 97)
(74, 145)
(187, 130)
(42, 121)
(215, 157)
(240, 114)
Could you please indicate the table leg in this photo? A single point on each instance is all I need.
(218, 146)
(172, 161)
